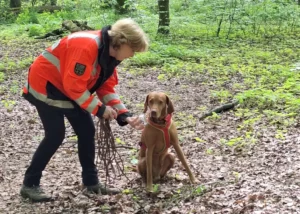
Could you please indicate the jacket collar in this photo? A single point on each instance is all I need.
(106, 61)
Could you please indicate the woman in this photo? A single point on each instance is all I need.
(61, 83)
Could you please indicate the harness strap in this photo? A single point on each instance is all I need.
(165, 131)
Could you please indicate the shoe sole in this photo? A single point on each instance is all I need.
(26, 196)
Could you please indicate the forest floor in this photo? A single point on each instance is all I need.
(263, 177)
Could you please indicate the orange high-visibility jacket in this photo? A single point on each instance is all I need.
(71, 68)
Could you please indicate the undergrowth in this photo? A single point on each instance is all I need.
(248, 50)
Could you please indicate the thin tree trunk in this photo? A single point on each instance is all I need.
(120, 7)
(219, 26)
(53, 2)
(164, 17)
(14, 3)
(221, 21)
(231, 19)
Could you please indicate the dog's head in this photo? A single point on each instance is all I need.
(159, 105)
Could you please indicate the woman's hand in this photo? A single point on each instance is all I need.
(109, 113)
(135, 122)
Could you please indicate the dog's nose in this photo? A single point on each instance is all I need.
(153, 113)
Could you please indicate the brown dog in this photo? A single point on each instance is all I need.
(159, 134)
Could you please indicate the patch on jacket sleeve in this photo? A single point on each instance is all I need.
(79, 69)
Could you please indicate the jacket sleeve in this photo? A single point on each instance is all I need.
(109, 97)
(77, 71)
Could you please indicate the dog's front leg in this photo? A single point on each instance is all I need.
(149, 155)
(183, 161)
(179, 152)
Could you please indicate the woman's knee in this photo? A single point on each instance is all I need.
(87, 133)
(55, 135)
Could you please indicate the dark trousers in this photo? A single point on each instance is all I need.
(54, 126)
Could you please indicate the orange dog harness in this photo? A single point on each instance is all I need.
(164, 129)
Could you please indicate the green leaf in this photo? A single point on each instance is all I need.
(127, 191)
(199, 139)
(161, 77)
(119, 141)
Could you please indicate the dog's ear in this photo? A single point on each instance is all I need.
(146, 104)
(170, 108)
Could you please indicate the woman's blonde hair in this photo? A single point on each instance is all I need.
(127, 31)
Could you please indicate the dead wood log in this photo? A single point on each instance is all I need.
(220, 109)
(38, 9)
(48, 8)
(68, 26)
(74, 25)
(56, 32)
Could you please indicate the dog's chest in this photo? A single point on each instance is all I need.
(160, 139)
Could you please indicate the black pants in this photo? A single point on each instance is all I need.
(53, 122)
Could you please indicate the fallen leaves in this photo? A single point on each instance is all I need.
(262, 178)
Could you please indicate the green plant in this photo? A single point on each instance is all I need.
(221, 95)
(280, 134)
(105, 208)
(155, 188)
(27, 17)
(233, 141)
(209, 151)
(237, 176)
(35, 30)
(8, 104)
(15, 88)
(214, 117)
(73, 138)
(145, 59)
(161, 77)
(2, 77)
(119, 141)
(127, 191)
(198, 139)
(199, 190)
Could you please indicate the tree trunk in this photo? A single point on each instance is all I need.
(39, 9)
(106, 4)
(14, 3)
(164, 17)
(120, 7)
(53, 2)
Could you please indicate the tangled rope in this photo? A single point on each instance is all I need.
(109, 158)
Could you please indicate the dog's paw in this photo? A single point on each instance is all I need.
(195, 181)
(149, 189)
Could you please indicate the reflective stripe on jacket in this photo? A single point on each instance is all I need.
(69, 69)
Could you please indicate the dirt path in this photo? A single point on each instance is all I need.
(256, 178)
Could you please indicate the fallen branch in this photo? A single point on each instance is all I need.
(38, 9)
(56, 32)
(109, 158)
(74, 25)
(124, 147)
(186, 127)
(67, 26)
(220, 109)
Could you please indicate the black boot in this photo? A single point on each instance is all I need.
(103, 190)
(35, 194)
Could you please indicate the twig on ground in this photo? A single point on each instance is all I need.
(124, 147)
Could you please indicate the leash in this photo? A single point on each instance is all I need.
(109, 158)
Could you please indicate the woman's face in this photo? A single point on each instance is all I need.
(124, 52)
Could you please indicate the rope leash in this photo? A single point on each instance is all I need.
(108, 158)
